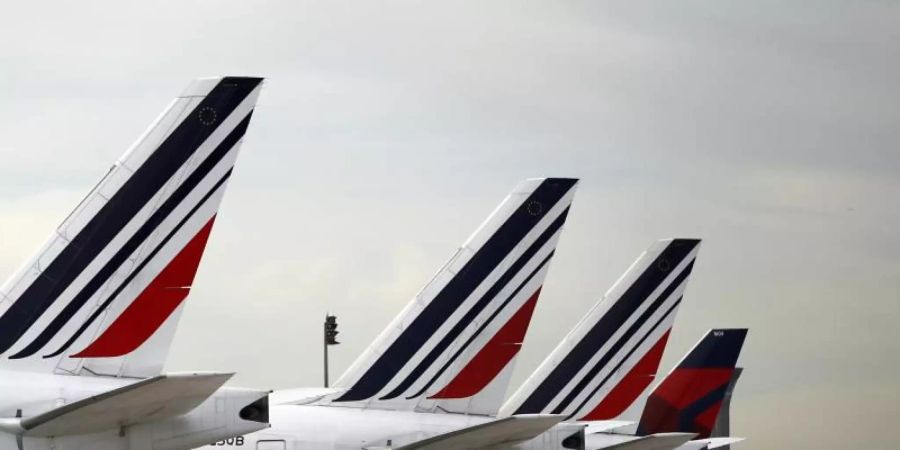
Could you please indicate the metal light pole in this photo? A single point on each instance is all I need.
(329, 335)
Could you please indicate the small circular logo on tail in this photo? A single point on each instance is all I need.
(664, 265)
(207, 116)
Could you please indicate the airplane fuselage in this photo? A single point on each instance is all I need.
(319, 427)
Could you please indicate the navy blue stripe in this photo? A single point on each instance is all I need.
(628, 355)
(139, 267)
(601, 332)
(617, 346)
(136, 240)
(688, 415)
(121, 207)
(473, 273)
(483, 326)
(476, 309)
(658, 412)
(718, 349)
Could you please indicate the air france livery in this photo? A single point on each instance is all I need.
(86, 323)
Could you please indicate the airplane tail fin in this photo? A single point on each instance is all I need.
(690, 396)
(722, 426)
(613, 354)
(103, 295)
(452, 348)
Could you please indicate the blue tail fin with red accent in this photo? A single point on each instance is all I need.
(689, 398)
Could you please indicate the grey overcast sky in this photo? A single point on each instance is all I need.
(387, 131)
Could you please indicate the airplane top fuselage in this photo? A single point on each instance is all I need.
(320, 427)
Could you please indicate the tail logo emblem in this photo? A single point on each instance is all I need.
(207, 116)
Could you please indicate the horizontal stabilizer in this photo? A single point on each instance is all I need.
(717, 442)
(660, 441)
(501, 432)
(160, 397)
(603, 426)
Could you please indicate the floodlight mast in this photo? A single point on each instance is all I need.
(329, 338)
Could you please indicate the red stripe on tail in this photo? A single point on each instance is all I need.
(683, 387)
(493, 357)
(154, 305)
(632, 385)
(705, 422)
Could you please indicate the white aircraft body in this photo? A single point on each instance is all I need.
(86, 323)
(317, 427)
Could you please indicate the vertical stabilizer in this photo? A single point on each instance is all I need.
(103, 295)
(722, 426)
(613, 354)
(689, 398)
(452, 348)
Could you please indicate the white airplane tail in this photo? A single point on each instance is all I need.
(613, 354)
(104, 294)
(452, 348)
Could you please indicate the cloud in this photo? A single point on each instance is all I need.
(387, 131)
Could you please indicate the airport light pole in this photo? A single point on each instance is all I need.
(330, 338)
